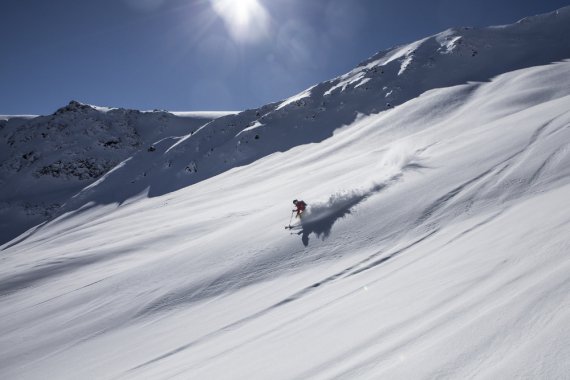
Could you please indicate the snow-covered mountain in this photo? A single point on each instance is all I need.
(46, 160)
(434, 246)
(390, 78)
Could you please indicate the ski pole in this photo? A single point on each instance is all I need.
(291, 219)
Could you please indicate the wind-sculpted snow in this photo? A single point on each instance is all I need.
(438, 247)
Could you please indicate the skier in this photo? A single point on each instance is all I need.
(300, 207)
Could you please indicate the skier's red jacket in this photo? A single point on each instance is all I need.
(300, 207)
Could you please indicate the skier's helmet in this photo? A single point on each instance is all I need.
(294, 201)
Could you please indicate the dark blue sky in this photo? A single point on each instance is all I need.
(183, 55)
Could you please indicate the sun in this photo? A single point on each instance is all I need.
(243, 12)
(246, 20)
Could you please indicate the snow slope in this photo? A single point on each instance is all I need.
(435, 244)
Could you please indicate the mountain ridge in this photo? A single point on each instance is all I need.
(47, 159)
(388, 79)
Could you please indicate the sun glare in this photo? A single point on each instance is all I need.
(246, 20)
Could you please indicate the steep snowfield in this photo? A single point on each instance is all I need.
(435, 246)
(445, 255)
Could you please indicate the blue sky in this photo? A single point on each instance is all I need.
(184, 55)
